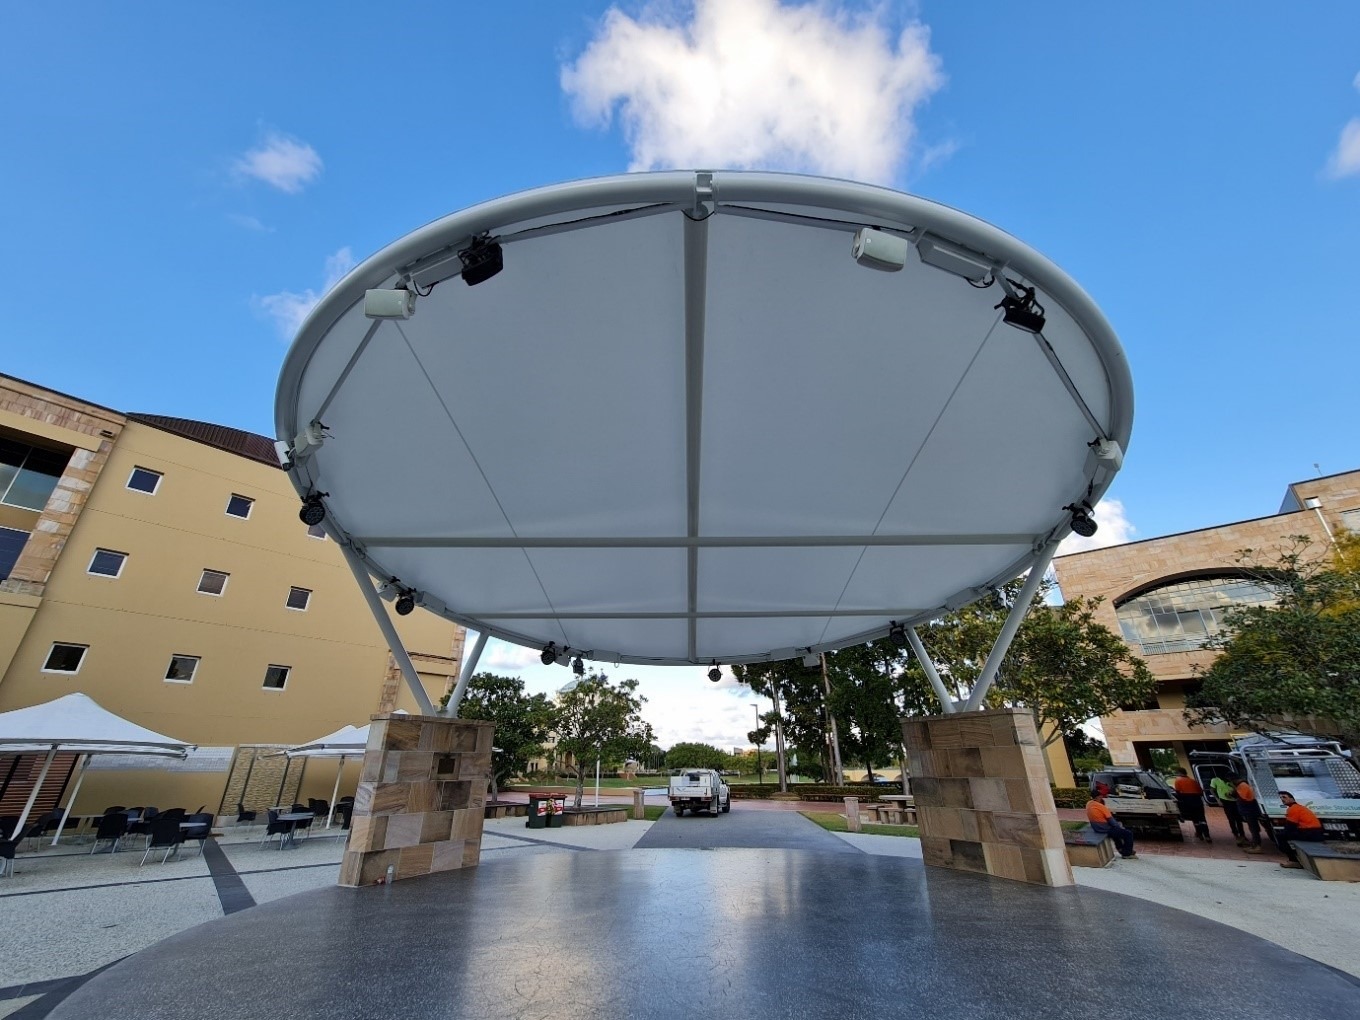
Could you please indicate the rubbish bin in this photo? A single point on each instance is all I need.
(559, 805)
(538, 811)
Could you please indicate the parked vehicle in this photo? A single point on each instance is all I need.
(1320, 773)
(1142, 800)
(699, 790)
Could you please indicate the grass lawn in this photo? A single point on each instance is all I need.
(833, 822)
(654, 811)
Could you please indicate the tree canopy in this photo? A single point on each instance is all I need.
(600, 719)
(696, 756)
(523, 722)
(1293, 663)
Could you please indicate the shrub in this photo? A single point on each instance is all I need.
(1070, 797)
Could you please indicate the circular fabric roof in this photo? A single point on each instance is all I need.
(684, 423)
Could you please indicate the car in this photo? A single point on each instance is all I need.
(878, 780)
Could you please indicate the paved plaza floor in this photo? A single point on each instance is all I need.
(778, 916)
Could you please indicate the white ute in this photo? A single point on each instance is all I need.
(699, 790)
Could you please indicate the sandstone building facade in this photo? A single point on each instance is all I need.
(159, 566)
(1166, 597)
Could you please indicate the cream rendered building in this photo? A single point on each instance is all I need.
(165, 573)
(1166, 596)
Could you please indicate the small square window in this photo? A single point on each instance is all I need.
(64, 658)
(213, 582)
(317, 531)
(239, 506)
(298, 598)
(276, 677)
(181, 669)
(107, 563)
(144, 480)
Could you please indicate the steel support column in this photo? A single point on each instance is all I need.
(1010, 627)
(465, 674)
(932, 674)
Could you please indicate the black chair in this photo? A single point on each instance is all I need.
(201, 829)
(344, 807)
(274, 827)
(33, 832)
(318, 807)
(7, 847)
(177, 813)
(112, 828)
(165, 834)
(50, 821)
(8, 823)
(142, 826)
(116, 807)
(242, 815)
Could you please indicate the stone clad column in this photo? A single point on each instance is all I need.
(983, 801)
(421, 798)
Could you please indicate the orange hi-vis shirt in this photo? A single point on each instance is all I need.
(1184, 784)
(1297, 813)
(1245, 792)
(1098, 812)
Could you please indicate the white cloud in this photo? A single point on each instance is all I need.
(289, 309)
(758, 84)
(502, 655)
(281, 161)
(1345, 160)
(249, 223)
(1112, 528)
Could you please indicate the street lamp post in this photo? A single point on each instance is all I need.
(760, 773)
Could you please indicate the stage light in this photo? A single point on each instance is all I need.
(406, 603)
(481, 260)
(1083, 523)
(1020, 309)
(578, 666)
(313, 511)
(897, 634)
(549, 654)
(715, 674)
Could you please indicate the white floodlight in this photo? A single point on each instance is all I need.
(879, 250)
(389, 304)
(953, 259)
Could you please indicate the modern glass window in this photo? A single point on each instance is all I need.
(64, 658)
(11, 545)
(1183, 616)
(107, 563)
(1350, 520)
(239, 506)
(317, 531)
(276, 677)
(144, 480)
(213, 582)
(181, 669)
(298, 598)
(28, 474)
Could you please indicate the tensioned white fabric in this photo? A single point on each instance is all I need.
(77, 723)
(683, 425)
(346, 742)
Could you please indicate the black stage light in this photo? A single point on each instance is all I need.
(1022, 311)
(578, 667)
(549, 654)
(481, 260)
(715, 674)
(313, 511)
(1082, 521)
(897, 634)
(406, 604)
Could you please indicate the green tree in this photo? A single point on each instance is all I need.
(696, 756)
(523, 722)
(600, 720)
(1293, 663)
(868, 684)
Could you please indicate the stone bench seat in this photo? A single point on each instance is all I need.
(595, 815)
(1087, 848)
(506, 809)
(1330, 862)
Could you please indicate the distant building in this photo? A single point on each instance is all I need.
(159, 566)
(1167, 595)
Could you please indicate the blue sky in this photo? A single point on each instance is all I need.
(177, 183)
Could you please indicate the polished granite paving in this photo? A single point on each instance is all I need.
(714, 933)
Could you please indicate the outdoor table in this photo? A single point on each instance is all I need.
(903, 802)
(292, 816)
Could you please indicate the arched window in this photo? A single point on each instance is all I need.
(1180, 617)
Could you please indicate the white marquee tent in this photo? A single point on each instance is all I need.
(75, 723)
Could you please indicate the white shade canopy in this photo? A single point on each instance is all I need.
(76, 723)
(683, 424)
(346, 742)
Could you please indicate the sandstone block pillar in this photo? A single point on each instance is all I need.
(421, 798)
(983, 801)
